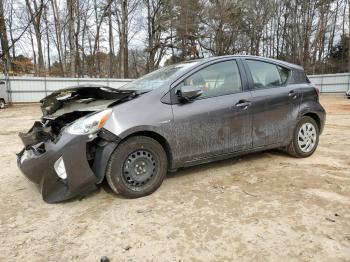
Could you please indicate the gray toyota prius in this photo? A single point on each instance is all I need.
(178, 116)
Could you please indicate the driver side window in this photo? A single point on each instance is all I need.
(217, 80)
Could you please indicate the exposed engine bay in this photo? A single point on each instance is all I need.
(67, 105)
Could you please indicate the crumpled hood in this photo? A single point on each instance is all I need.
(82, 98)
(67, 105)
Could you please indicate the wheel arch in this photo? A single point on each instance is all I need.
(102, 157)
(315, 117)
(159, 138)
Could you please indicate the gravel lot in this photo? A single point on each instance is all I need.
(265, 206)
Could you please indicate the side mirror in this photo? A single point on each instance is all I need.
(188, 93)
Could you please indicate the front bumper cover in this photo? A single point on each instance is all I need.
(38, 167)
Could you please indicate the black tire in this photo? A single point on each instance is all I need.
(121, 171)
(293, 148)
(2, 104)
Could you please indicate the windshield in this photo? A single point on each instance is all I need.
(155, 79)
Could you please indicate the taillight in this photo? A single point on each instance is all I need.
(318, 90)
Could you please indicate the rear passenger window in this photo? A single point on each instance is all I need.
(267, 75)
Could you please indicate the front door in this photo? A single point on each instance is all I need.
(219, 121)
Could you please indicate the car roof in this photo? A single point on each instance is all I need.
(261, 58)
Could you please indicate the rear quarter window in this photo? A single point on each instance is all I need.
(300, 77)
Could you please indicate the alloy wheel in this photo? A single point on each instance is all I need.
(307, 137)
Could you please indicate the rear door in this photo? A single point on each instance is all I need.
(219, 121)
(275, 103)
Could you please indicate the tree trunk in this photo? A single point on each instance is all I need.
(11, 31)
(349, 37)
(83, 55)
(33, 50)
(70, 9)
(111, 43)
(48, 42)
(36, 15)
(58, 32)
(76, 38)
(124, 40)
(4, 41)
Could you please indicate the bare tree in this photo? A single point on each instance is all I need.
(349, 37)
(11, 26)
(220, 28)
(158, 21)
(122, 15)
(71, 34)
(35, 9)
(4, 40)
(97, 37)
(58, 36)
(111, 43)
(47, 40)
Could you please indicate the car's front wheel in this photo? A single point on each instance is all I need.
(137, 167)
(305, 138)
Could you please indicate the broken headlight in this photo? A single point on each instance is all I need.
(89, 124)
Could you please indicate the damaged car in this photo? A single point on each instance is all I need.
(181, 115)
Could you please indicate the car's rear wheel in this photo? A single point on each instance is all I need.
(2, 103)
(137, 167)
(305, 138)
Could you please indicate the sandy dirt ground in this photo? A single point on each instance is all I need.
(260, 207)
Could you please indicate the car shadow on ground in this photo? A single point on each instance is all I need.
(224, 163)
(200, 169)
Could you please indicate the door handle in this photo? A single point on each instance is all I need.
(243, 104)
(292, 94)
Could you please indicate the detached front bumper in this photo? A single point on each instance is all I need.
(38, 166)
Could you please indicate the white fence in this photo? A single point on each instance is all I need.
(32, 89)
(332, 83)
